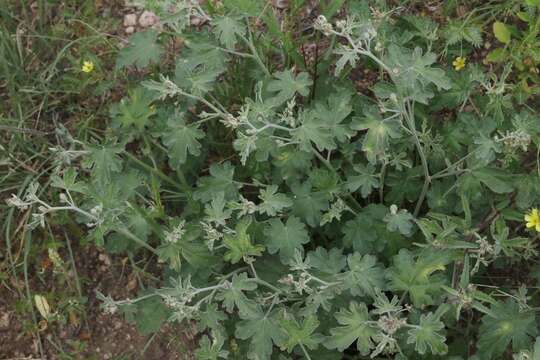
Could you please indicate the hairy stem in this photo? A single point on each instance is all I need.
(409, 117)
(256, 57)
(305, 351)
(331, 168)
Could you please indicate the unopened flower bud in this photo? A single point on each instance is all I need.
(323, 25)
(63, 198)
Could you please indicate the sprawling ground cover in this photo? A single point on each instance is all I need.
(270, 179)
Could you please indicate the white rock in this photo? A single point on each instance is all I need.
(4, 320)
(148, 18)
(196, 21)
(130, 20)
(280, 4)
(130, 30)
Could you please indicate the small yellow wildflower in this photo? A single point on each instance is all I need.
(459, 63)
(87, 67)
(533, 219)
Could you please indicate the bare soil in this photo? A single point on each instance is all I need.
(88, 334)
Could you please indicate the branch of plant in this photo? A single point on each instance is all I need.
(408, 114)
(331, 168)
(255, 54)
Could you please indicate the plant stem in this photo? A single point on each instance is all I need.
(133, 237)
(253, 270)
(331, 168)
(204, 101)
(271, 305)
(249, 43)
(184, 187)
(367, 53)
(442, 174)
(264, 283)
(305, 351)
(381, 180)
(409, 117)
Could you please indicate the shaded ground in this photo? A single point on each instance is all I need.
(85, 333)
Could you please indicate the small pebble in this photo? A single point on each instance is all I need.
(105, 259)
(280, 4)
(4, 321)
(130, 20)
(147, 19)
(196, 21)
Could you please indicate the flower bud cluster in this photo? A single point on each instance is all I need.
(323, 25)
(514, 139)
(287, 116)
(390, 323)
(231, 122)
(335, 212)
(97, 212)
(180, 307)
(211, 234)
(247, 207)
(17, 202)
(172, 237)
(300, 284)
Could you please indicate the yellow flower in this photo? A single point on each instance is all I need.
(87, 67)
(533, 219)
(459, 63)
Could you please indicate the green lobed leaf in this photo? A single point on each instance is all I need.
(301, 333)
(412, 71)
(211, 318)
(149, 315)
(199, 67)
(286, 238)
(427, 335)
(379, 133)
(509, 325)
(239, 245)
(228, 29)
(327, 261)
(136, 110)
(286, 85)
(272, 201)
(211, 349)
(234, 296)
(416, 277)
(355, 327)
(366, 180)
(219, 183)
(216, 212)
(103, 160)
(264, 332)
(401, 221)
(181, 139)
(323, 125)
(364, 276)
(496, 180)
(142, 50)
(307, 204)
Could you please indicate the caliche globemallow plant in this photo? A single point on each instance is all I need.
(300, 212)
